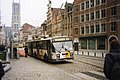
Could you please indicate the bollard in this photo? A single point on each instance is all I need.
(88, 53)
(7, 56)
(82, 53)
(95, 54)
(102, 55)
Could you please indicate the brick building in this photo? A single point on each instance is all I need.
(95, 24)
(67, 19)
(26, 30)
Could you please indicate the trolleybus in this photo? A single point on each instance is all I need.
(52, 49)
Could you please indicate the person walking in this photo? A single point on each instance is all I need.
(2, 73)
(26, 51)
(112, 61)
(15, 52)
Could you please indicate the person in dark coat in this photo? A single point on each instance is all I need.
(26, 51)
(2, 73)
(15, 52)
(108, 63)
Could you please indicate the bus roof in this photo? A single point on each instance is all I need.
(51, 38)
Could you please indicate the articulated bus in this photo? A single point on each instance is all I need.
(51, 49)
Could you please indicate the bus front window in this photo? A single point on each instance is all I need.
(63, 46)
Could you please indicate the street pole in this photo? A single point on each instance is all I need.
(12, 48)
(7, 54)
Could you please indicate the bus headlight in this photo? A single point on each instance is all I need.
(58, 55)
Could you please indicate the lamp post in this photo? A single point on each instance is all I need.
(11, 46)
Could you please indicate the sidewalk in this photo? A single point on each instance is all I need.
(6, 63)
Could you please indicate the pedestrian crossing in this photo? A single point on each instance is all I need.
(91, 75)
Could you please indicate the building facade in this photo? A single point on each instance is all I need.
(54, 21)
(16, 19)
(95, 24)
(67, 21)
(26, 30)
(2, 35)
(49, 19)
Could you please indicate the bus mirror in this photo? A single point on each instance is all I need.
(53, 50)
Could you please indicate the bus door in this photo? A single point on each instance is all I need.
(48, 49)
(37, 47)
(29, 48)
(34, 49)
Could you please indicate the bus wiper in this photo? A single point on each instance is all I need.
(66, 49)
(62, 47)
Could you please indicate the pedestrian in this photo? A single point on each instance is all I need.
(26, 51)
(2, 73)
(15, 52)
(112, 61)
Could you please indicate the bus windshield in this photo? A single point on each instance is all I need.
(63, 46)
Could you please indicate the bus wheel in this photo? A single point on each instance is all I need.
(46, 58)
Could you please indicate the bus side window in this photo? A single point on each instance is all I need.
(40, 46)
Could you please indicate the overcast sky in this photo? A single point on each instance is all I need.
(32, 11)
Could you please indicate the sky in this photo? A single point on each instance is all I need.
(32, 11)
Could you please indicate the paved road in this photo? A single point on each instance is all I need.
(78, 69)
(84, 66)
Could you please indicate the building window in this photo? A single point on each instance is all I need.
(87, 4)
(92, 16)
(92, 3)
(82, 18)
(83, 44)
(76, 31)
(69, 8)
(82, 6)
(82, 30)
(87, 29)
(113, 26)
(103, 1)
(97, 14)
(91, 44)
(97, 28)
(103, 13)
(92, 29)
(101, 44)
(97, 2)
(103, 27)
(76, 20)
(76, 7)
(87, 17)
(113, 11)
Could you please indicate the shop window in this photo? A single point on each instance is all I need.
(83, 44)
(91, 44)
(101, 44)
